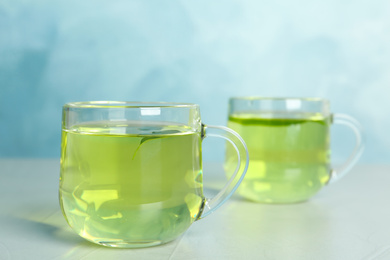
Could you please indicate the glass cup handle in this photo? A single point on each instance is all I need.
(343, 119)
(211, 204)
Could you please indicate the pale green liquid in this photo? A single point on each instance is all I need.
(289, 158)
(130, 186)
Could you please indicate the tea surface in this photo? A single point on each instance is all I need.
(289, 155)
(127, 184)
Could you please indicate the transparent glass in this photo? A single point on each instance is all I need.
(131, 173)
(289, 147)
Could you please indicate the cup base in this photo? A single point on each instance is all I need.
(130, 244)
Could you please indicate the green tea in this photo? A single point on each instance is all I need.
(289, 155)
(129, 184)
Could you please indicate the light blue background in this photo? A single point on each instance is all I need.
(53, 52)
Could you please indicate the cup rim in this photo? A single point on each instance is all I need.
(128, 104)
(310, 99)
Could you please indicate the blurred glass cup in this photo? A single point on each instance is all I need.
(289, 146)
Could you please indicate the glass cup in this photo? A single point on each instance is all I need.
(289, 147)
(131, 173)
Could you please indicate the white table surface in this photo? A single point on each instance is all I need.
(349, 219)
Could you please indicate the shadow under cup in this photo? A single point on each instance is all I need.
(288, 141)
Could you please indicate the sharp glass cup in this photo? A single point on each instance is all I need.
(131, 173)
